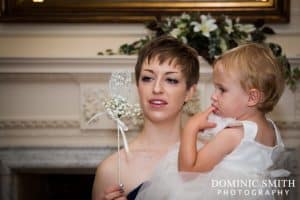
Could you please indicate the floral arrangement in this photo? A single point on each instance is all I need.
(211, 37)
(115, 103)
(119, 107)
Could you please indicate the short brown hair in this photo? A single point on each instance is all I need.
(257, 68)
(167, 48)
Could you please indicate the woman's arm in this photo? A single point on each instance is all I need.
(104, 187)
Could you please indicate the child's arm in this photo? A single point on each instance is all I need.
(211, 153)
(188, 141)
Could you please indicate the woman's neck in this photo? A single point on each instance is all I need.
(159, 135)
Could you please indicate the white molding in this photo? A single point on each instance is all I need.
(294, 59)
(37, 123)
(86, 68)
(42, 77)
(47, 157)
(58, 123)
(85, 65)
(59, 141)
(79, 30)
(101, 64)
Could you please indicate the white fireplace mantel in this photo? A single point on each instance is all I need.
(100, 64)
(42, 97)
(42, 113)
(25, 79)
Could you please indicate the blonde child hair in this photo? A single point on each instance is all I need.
(257, 68)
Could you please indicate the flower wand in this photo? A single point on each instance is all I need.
(117, 108)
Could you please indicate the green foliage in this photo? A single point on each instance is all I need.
(211, 37)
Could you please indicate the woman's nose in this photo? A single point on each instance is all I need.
(157, 88)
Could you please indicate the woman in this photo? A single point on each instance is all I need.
(166, 73)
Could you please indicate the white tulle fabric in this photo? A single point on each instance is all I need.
(249, 161)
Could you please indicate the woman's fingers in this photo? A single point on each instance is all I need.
(113, 188)
(114, 196)
(114, 192)
(121, 198)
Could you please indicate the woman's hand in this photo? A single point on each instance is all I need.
(114, 193)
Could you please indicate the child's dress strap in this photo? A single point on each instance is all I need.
(220, 122)
(277, 132)
(250, 130)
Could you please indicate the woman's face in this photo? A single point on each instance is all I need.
(229, 99)
(162, 90)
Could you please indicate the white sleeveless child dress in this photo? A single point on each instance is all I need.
(245, 173)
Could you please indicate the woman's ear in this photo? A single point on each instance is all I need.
(255, 97)
(190, 93)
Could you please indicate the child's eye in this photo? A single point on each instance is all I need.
(172, 80)
(222, 89)
(146, 78)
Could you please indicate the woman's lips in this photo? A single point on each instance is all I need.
(157, 103)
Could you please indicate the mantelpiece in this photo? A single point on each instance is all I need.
(42, 125)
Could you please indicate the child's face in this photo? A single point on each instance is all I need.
(162, 90)
(229, 99)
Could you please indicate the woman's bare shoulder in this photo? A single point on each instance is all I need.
(105, 176)
(107, 167)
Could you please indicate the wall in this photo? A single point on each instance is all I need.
(85, 40)
(45, 71)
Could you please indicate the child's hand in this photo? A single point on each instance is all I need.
(199, 121)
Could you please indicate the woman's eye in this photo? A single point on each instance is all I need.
(172, 80)
(146, 78)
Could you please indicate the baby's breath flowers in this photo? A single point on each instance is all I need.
(119, 107)
(116, 104)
